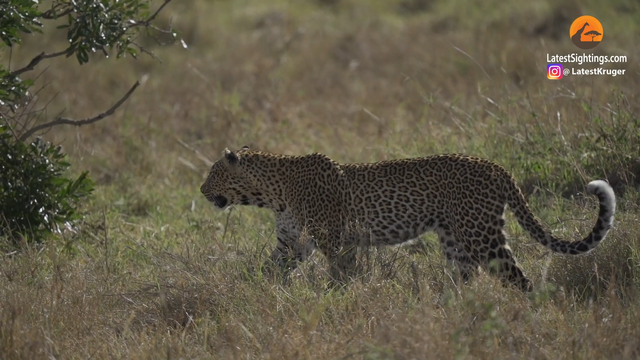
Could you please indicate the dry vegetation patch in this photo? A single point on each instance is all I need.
(155, 272)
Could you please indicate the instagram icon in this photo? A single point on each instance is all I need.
(554, 71)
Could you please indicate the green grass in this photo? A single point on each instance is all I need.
(155, 272)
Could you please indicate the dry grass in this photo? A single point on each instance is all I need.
(155, 272)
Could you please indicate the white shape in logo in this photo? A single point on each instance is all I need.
(566, 72)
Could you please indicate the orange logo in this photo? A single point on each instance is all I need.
(586, 32)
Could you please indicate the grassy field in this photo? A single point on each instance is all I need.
(155, 272)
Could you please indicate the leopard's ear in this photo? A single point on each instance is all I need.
(231, 157)
(246, 147)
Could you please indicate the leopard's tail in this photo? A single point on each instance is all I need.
(527, 220)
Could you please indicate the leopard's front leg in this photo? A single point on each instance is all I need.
(292, 247)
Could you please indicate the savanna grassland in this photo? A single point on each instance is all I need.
(153, 271)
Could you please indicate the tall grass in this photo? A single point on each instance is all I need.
(155, 272)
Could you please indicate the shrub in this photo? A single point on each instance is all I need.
(37, 198)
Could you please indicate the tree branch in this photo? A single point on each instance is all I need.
(62, 121)
(52, 15)
(148, 20)
(36, 60)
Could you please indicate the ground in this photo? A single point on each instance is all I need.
(155, 271)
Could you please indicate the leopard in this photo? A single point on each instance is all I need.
(320, 204)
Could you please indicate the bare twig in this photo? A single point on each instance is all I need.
(163, 31)
(145, 51)
(52, 15)
(36, 60)
(29, 110)
(62, 121)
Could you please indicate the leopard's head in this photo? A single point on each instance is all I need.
(226, 184)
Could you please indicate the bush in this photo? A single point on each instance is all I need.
(36, 197)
